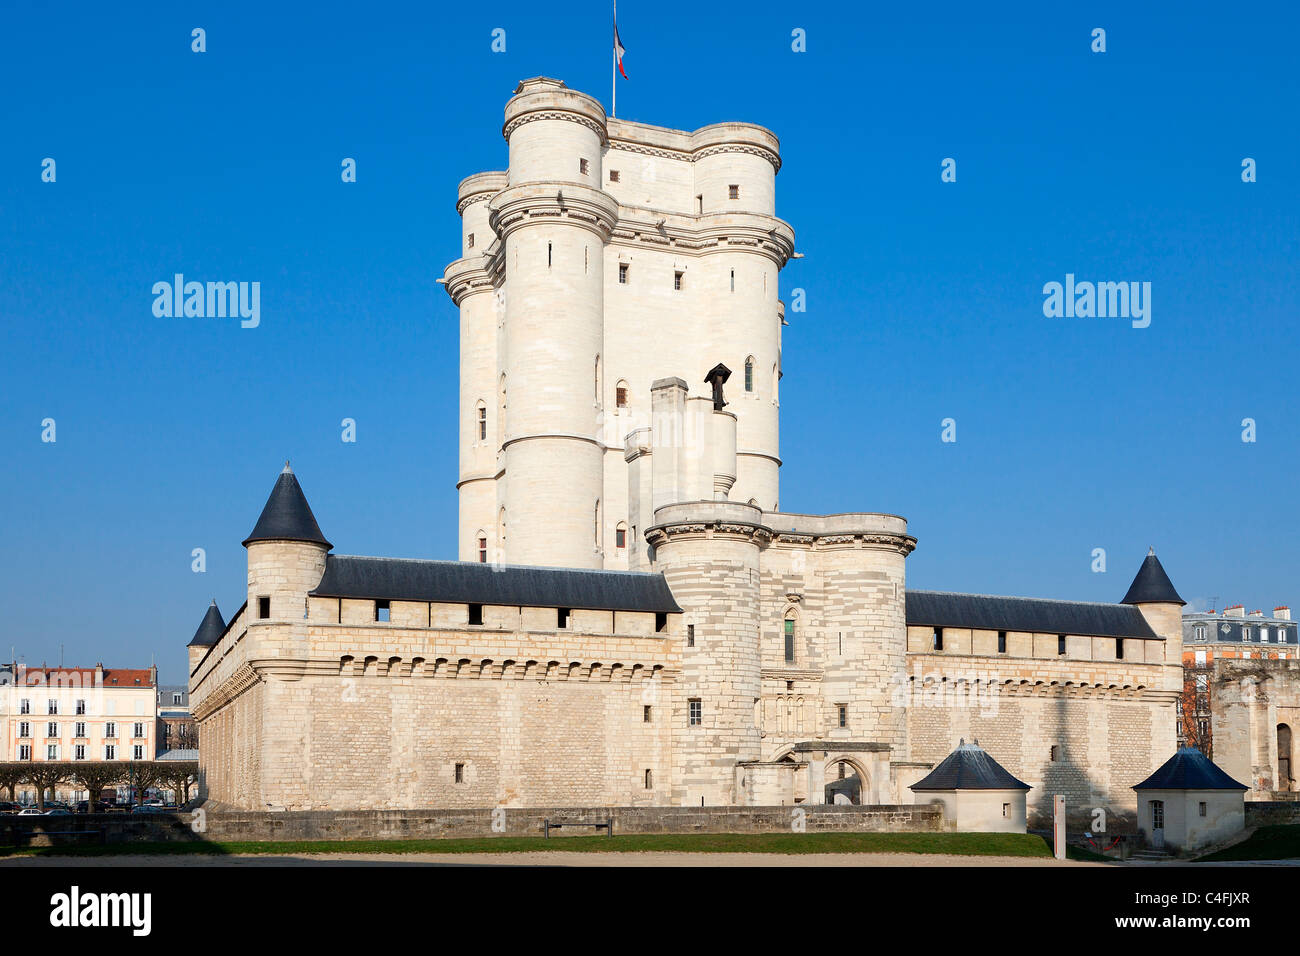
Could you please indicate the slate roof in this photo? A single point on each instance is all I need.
(1036, 615)
(287, 516)
(471, 582)
(210, 628)
(969, 767)
(1189, 769)
(1152, 585)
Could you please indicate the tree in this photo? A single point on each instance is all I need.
(179, 776)
(11, 774)
(94, 775)
(144, 774)
(46, 775)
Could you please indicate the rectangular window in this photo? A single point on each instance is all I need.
(24, 729)
(110, 729)
(1006, 809)
(649, 780)
(690, 635)
(476, 613)
(110, 751)
(51, 751)
(80, 729)
(613, 175)
(1157, 814)
(81, 705)
(620, 396)
(620, 537)
(51, 730)
(264, 608)
(699, 205)
(1002, 642)
(1202, 808)
(383, 612)
(25, 706)
(843, 714)
(733, 280)
(482, 424)
(661, 621)
(677, 281)
(936, 639)
(562, 617)
(137, 730)
(469, 240)
(1119, 648)
(460, 773)
(79, 752)
(137, 752)
(52, 707)
(25, 752)
(176, 699)
(733, 191)
(1060, 643)
(584, 166)
(482, 550)
(695, 712)
(789, 642)
(622, 273)
(645, 714)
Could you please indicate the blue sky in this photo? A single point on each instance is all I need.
(924, 298)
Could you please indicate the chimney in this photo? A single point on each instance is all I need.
(1237, 610)
(99, 674)
(1282, 613)
(1259, 613)
(153, 674)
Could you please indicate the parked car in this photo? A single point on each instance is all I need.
(7, 806)
(58, 812)
(147, 808)
(30, 812)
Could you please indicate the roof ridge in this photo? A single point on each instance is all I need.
(515, 567)
(1017, 597)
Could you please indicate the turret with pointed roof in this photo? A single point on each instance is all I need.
(287, 516)
(210, 628)
(1152, 585)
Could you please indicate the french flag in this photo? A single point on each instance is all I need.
(618, 45)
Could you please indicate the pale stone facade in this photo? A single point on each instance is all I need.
(719, 651)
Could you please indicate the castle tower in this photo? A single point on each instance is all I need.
(610, 255)
(708, 552)
(209, 633)
(469, 282)
(1153, 594)
(286, 556)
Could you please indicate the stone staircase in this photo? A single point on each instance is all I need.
(1151, 855)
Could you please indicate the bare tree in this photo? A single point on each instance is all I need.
(46, 775)
(94, 775)
(11, 775)
(178, 775)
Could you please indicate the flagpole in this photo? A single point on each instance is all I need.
(613, 67)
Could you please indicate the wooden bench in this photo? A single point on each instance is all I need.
(548, 826)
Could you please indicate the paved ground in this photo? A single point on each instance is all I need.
(550, 858)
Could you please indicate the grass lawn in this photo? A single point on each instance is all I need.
(964, 844)
(1267, 843)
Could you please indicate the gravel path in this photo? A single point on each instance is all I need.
(549, 858)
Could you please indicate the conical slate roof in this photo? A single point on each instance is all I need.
(287, 516)
(1152, 585)
(1189, 769)
(210, 628)
(969, 767)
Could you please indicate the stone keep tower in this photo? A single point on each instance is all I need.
(609, 255)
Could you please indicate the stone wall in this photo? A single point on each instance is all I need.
(468, 823)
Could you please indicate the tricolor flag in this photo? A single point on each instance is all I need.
(618, 45)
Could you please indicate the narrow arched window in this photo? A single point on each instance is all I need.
(481, 421)
(481, 538)
(620, 394)
(620, 536)
(596, 524)
(789, 637)
(749, 374)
